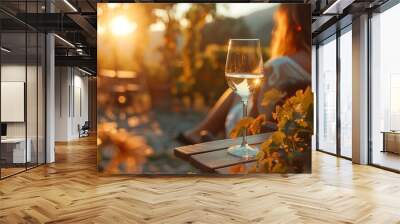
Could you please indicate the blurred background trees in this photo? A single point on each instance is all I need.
(178, 55)
(192, 59)
(193, 51)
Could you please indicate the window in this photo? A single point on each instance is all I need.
(326, 99)
(385, 89)
(346, 94)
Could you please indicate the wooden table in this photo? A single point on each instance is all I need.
(213, 157)
(391, 141)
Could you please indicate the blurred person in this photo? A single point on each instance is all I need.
(287, 70)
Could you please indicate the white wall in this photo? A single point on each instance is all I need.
(71, 94)
(61, 103)
(80, 111)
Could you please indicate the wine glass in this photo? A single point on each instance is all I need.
(244, 73)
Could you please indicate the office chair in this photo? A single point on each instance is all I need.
(84, 130)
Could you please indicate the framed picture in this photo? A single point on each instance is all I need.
(204, 88)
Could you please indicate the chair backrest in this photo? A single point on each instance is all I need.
(86, 124)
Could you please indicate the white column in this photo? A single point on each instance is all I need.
(50, 92)
(360, 90)
(50, 98)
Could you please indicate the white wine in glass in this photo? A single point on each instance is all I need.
(244, 74)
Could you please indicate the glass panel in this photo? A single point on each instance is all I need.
(31, 98)
(346, 94)
(41, 99)
(32, 88)
(23, 91)
(385, 84)
(13, 87)
(327, 97)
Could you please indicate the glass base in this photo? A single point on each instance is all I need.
(245, 151)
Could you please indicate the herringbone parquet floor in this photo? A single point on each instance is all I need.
(71, 191)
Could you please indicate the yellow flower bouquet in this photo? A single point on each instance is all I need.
(288, 149)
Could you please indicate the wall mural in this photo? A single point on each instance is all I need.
(204, 88)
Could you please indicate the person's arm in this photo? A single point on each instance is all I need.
(215, 119)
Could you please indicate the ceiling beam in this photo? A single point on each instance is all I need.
(49, 22)
(320, 22)
(84, 24)
(337, 7)
(81, 61)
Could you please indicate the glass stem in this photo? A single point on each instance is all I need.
(244, 140)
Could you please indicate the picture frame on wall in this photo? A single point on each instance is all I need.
(204, 88)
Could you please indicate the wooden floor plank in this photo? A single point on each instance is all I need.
(71, 191)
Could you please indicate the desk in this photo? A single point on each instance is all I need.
(213, 157)
(391, 141)
(13, 150)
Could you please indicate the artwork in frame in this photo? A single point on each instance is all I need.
(204, 88)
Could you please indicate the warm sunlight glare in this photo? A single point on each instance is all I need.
(122, 74)
(120, 26)
(157, 27)
(121, 99)
(100, 29)
(113, 5)
(108, 73)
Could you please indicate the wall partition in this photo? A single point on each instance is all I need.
(22, 93)
(14, 153)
